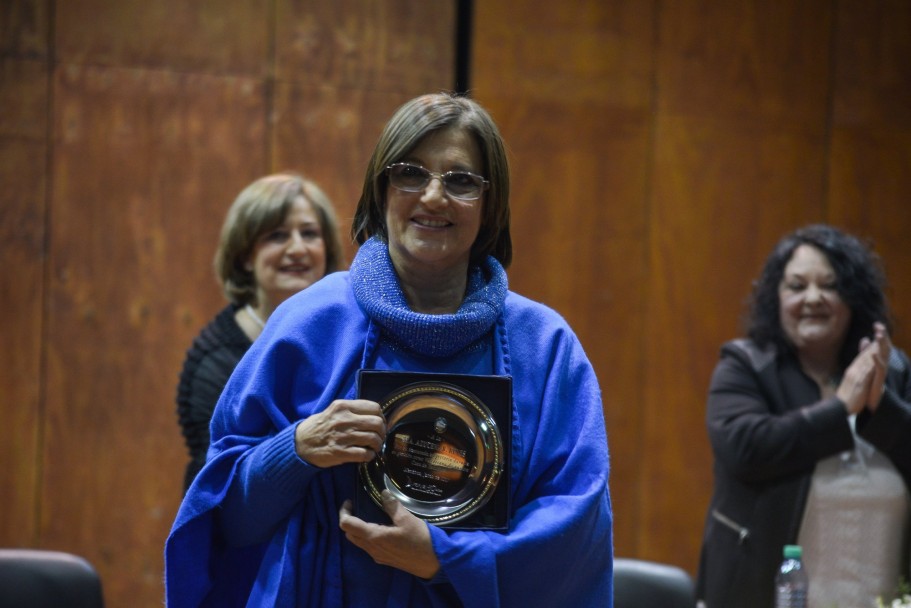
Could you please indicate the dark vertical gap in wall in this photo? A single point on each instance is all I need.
(269, 85)
(46, 278)
(464, 12)
(830, 112)
(648, 194)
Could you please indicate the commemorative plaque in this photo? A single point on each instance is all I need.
(446, 452)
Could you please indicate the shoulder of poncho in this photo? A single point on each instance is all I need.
(329, 297)
(521, 309)
(325, 312)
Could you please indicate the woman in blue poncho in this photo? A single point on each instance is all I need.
(270, 521)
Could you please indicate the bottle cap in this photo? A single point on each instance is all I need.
(793, 551)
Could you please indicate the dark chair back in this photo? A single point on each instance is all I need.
(33, 578)
(644, 584)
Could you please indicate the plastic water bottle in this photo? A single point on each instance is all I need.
(792, 582)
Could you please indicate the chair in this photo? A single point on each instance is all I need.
(32, 578)
(644, 584)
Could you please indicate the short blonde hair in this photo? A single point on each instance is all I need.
(259, 208)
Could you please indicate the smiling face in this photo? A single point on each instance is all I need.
(289, 258)
(429, 231)
(813, 315)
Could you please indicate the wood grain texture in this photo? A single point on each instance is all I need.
(658, 151)
(739, 159)
(204, 36)
(711, 227)
(872, 72)
(151, 145)
(751, 120)
(744, 60)
(569, 86)
(328, 134)
(342, 69)
(390, 46)
(23, 175)
(24, 27)
(870, 176)
(145, 166)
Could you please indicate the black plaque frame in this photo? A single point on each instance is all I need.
(494, 393)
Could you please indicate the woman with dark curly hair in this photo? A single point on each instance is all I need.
(809, 420)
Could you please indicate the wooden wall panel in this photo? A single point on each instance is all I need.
(870, 178)
(739, 159)
(209, 36)
(569, 86)
(328, 134)
(152, 141)
(710, 231)
(746, 121)
(24, 27)
(744, 61)
(23, 173)
(581, 250)
(658, 151)
(342, 69)
(395, 45)
(143, 173)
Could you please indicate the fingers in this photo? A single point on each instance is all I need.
(863, 382)
(404, 544)
(360, 529)
(879, 329)
(883, 342)
(349, 430)
(881, 352)
(359, 406)
(356, 530)
(394, 508)
(855, 385)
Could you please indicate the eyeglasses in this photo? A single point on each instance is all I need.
(462, 185)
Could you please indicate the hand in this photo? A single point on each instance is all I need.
(882, 352)
(405, 544)
(855, 386)
(346, 431)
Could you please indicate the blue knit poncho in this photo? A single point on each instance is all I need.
(291, 552)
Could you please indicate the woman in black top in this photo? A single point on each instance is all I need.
(279, 237)
(809, 417)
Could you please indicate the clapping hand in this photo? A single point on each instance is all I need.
(864, 380)
(881, 347)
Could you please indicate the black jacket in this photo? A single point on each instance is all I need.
(768, 429)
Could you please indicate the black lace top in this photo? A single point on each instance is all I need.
(210, 360)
